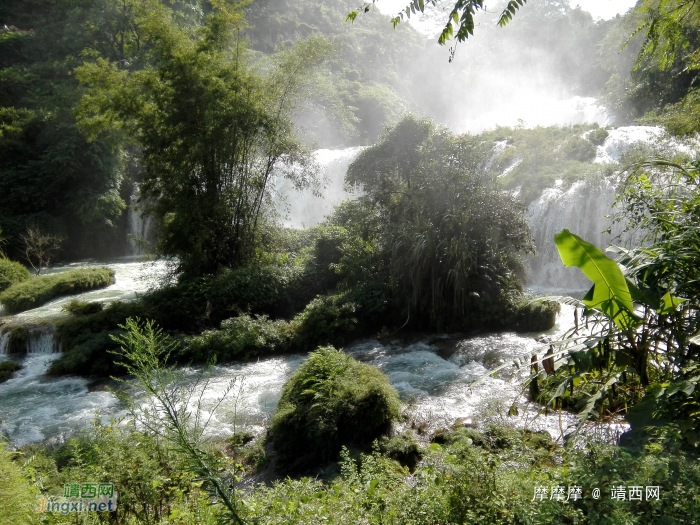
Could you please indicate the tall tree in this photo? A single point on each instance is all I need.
(213, 132)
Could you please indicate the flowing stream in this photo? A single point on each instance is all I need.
(433, 373)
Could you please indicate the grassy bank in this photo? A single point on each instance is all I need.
(35, 292)
(486, 476)
(11, 272)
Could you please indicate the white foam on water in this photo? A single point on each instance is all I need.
(34, 407)
(132, 276)
(42, 340)
(4, 342)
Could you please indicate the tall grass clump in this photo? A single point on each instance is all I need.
(18, 495)
(331, 401)
(35, 292)
(11, 272)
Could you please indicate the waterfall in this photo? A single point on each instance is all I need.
(43, 340)
(139, 227)
(303, 209)
(38, 339)
(583, 208)
(4, 342)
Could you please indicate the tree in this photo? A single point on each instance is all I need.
(213, 132)
(40, 247)
(461, 16)
(449, 236)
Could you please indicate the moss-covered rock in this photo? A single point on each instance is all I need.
(35, 292)
(331, 401)
(78, 308)
(401, 448)
(11, 272)
(7, 369)
(534, 316)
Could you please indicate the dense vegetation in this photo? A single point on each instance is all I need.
(34, 292)
(203, 110)
(331, 401)
(11, 272)
(488, 475)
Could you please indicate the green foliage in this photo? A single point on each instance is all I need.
(609, 292)
(326, 319)
(11, 272)
(533, 159)
(242, 337)
(37, 291)
(354, 98)
(19, 496)
(597, 136)
(145, 352)
(578, 149)
(332, 400)
(78, 307)
(401, 448)
(211, 130)
(446, 234)
(7, 369)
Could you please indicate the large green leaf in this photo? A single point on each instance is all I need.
(610, 293)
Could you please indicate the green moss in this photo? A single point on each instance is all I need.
(7, 369)
(77, 307)
(18, 338)
(11, 272)
(533, 316)
(242, 337)
(39, 290)
(401, 448)
(331, 401)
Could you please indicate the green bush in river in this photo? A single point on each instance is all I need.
(241, 337)
(7, 369)
(78, 307)
(39, 290)
(11, 272)
(331, 401)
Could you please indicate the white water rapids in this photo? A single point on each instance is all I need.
(435, 373)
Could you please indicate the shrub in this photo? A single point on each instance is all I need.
(534, 316)
(325, 320)
(19, 497)
(39, 290)
(402, 449)
(331, 401)
(7, 368)
(11, 272)
(576, 148)
(78, 307)
(242, 337)
(597, 136)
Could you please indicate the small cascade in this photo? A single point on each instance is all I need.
(582, 209)
(4, 342)
(303, 209)
(140, 227)
(43, 340)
